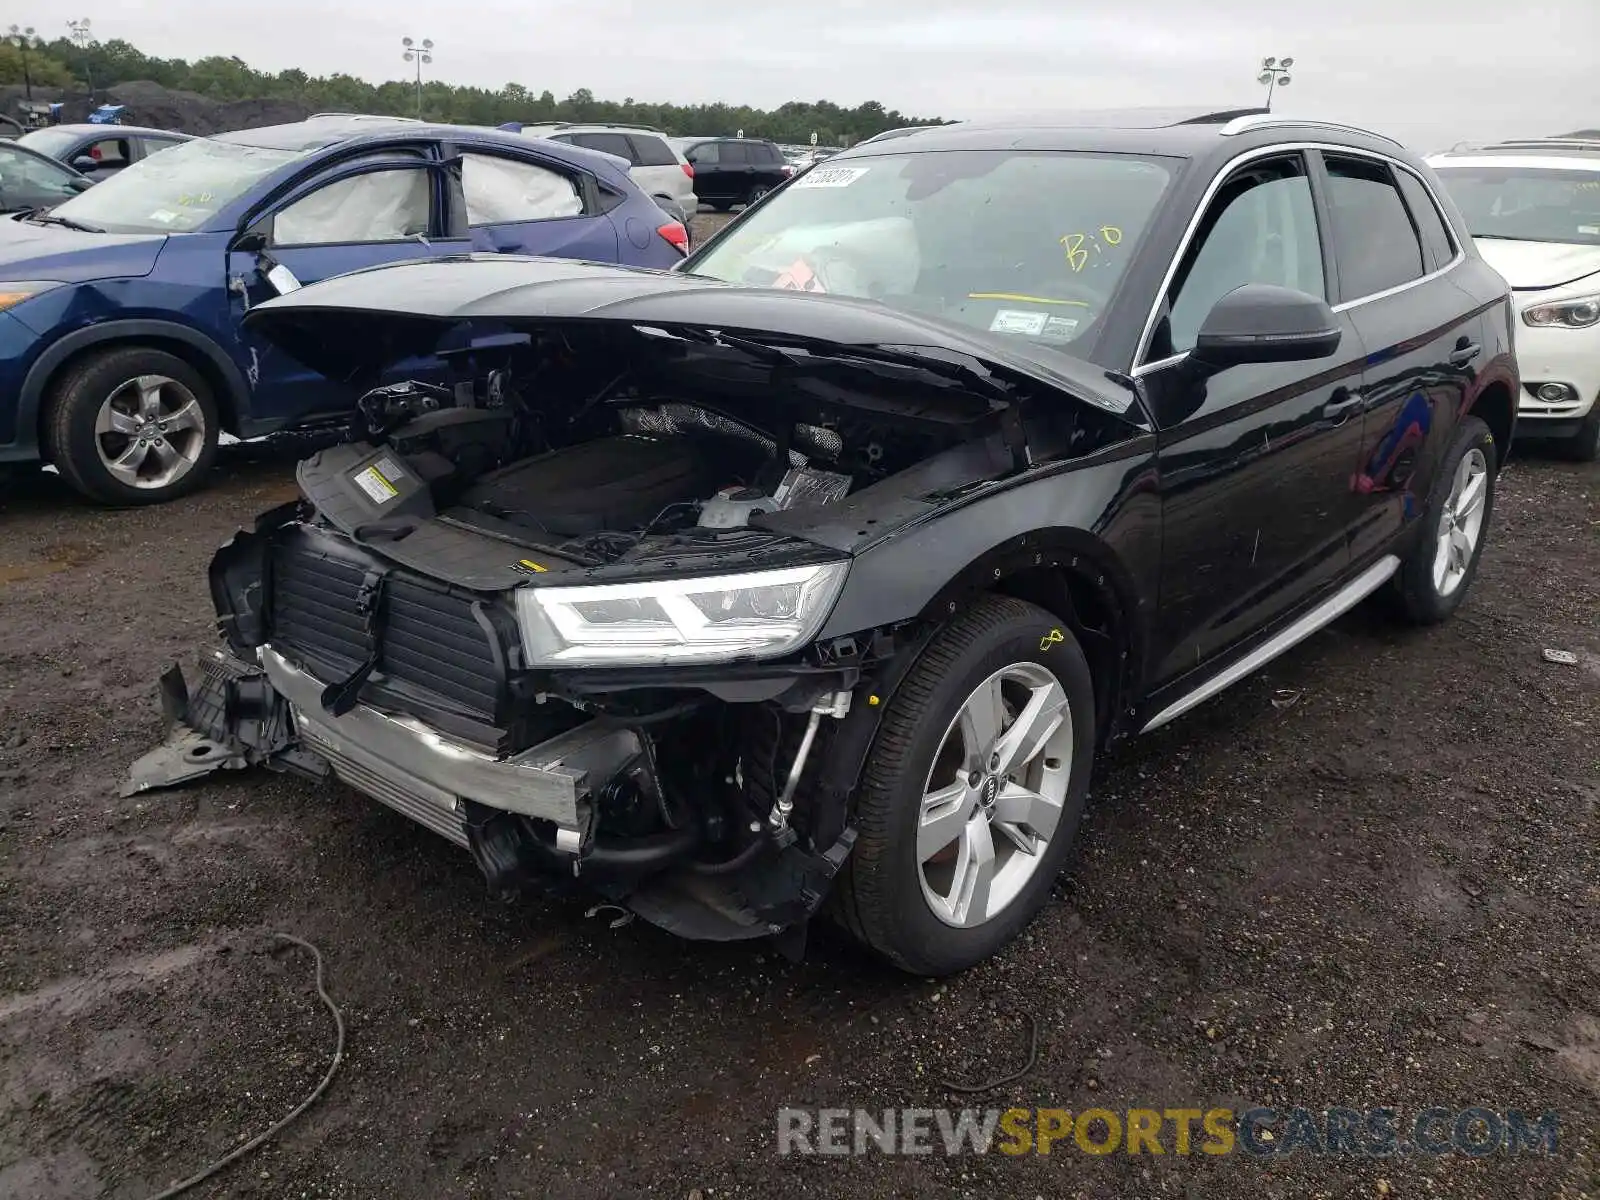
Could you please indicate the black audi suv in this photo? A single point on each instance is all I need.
(809, 578)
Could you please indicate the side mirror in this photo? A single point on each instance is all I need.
(1263, 323)
(85, 162)
(251, 241)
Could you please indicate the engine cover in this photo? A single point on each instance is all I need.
(617, 482)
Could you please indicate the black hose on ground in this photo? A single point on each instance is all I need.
(338, 1056)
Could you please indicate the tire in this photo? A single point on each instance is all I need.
(100, 413)
(884, 898)
(1585, 444)
(720, 205)
(756, 193)
(1422, 598)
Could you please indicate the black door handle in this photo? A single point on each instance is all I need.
(1464, 353)
(1340, 405)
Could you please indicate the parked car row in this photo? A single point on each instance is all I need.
(100, 151)
(811, 577)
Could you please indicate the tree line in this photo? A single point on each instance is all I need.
(101, 65)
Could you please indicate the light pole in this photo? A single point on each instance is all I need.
(24, 40)
(81, 37)
(419, 55)
(1275, 74)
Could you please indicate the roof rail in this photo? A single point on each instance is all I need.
(595, 124)
(1548, 143)
(1225, 115)
(350, 116)
(1267, 120)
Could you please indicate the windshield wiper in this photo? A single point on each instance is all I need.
(66, 222)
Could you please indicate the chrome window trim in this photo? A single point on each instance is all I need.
(1215, 186)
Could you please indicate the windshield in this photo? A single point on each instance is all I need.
(1026, 244)
(1530, 204)
(53, 142)
(177, 190)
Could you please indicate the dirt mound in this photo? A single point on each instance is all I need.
(165, 108)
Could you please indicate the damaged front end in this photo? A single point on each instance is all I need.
(569, 607)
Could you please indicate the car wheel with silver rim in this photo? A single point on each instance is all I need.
(973, 789)
(1434, 577)
(132, 425)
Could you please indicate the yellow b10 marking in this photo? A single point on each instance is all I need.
(1079, 245)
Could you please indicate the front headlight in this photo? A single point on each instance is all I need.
(1564, 314)
(14, 293)
(762, 614)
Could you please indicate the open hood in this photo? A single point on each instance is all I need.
(353, 326)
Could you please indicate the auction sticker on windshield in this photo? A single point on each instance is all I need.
(1012, 320)
(830, 177)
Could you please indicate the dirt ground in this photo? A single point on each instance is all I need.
(1384, 893)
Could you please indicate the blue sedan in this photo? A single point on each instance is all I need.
(122, 356)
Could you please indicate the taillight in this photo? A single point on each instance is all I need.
(675, 233)
(688, 169)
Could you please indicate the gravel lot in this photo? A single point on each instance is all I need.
(1387, 892)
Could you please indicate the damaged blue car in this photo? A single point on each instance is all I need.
(123, 356)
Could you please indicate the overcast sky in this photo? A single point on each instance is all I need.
(1428, 71)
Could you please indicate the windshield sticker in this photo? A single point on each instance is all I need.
(1060, 329)
(830, 177)
(375, 484)
(1591, 230)
(165, 215)
(1011, 320)
(799, 277)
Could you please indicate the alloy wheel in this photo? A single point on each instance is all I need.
(150, 432)
(994, 795)
(1461, 523)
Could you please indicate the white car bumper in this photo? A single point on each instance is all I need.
(1568, 358)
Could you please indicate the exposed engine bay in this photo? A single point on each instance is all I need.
(560, 602)
(587, 466)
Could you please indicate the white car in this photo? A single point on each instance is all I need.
(654, 163)
(1533, 208)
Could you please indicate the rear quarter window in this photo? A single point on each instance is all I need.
(651, 151)
(610, 143)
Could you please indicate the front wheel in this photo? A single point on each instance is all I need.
(132, 425)
(973, 790)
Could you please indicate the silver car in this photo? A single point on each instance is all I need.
(655, 164)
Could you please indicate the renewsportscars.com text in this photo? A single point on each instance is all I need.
(1258, 1132)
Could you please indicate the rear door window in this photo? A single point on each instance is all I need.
(1375, 243)
(501, 190)
(735, 154)
(1436, 239)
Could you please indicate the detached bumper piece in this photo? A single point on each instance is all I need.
(233, 719)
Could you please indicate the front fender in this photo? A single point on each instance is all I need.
(233, 396)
